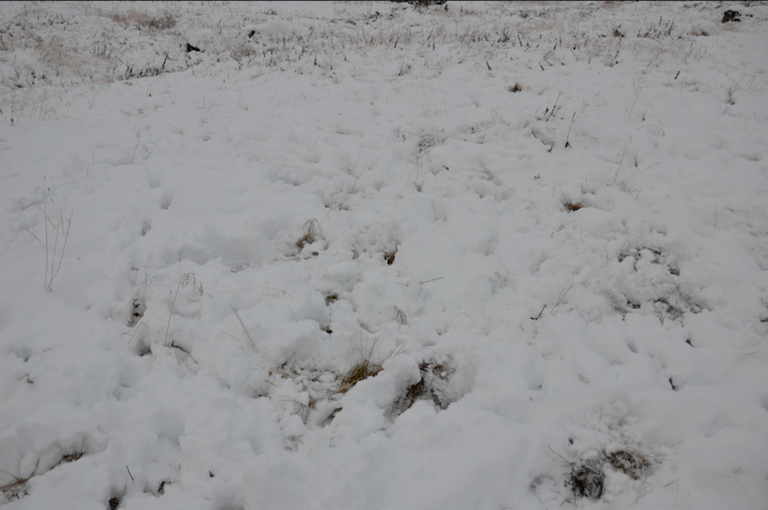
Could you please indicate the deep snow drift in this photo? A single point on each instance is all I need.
(369, 256)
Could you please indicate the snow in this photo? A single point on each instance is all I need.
(539, 229)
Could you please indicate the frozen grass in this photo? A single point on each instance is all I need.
(587, 479)
(145, 40)
(313, 231)
(17, 487)
(361, 370)
(367, 365)
(434, 378)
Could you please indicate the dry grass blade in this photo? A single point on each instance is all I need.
(587, 480)
(237, 314)
(363, 369)
(560, 299)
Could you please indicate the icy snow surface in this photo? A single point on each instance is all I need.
(372, 256)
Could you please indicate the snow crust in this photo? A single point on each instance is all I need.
(542, 228)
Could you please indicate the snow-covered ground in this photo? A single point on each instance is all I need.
(368, 256)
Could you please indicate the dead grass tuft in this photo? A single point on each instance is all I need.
(114, 502)
(367, 366)
(630, 462)
(74, 455)
(428, 140)
(303, 410)
(586, 480)
(144, 20)
(572, 206)
(16, 489)
(431, 386)
(389, 256)
(675, 304)
(657, 30)
(313, 231)
(363, 369)
(400, 317)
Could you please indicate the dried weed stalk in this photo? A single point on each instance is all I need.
(55, 231)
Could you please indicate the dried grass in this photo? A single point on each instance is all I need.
(144, 20)
(363, 369)
(630, 462)
(431, 386)
(313, 231)
(366, 366)
(572, 206)
(16, 489)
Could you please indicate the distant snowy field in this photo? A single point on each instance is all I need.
(368, 256)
